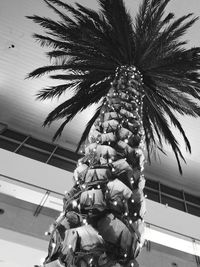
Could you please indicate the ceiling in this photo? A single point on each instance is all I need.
(20, 54)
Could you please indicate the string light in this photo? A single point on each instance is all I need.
(42, 260)
(130, 221)
(90, 261)
(84, 221)
(74, 203)
(140, 245)
(53, 245)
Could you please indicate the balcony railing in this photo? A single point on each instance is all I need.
(60, 157)
(43, 198)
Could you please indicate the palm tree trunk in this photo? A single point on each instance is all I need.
(109, 178)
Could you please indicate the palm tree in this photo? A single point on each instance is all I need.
(141, 76)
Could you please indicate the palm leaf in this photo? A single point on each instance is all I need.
(87, 47)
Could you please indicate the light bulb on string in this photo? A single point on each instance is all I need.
(91, 262)
(115, 203)
(42, 261)
(74, 203)
(53, 245)
(83, 186)
(85, 221)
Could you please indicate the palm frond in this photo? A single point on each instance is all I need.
(87, 46)
(88, 127)
(80, 101)
(121, 24)
(55, 91)
(157, 118)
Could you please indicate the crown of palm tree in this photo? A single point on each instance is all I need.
(88, 46)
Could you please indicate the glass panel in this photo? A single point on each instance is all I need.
(14, 135)
(8, 145)
(193, 210)
(40, 144)
(174, 203)
(33, 154)
(193, 199)
(66, 153)
(152, 184)
(165, 256)
(171, 191)
(152, 195)
(61, 163)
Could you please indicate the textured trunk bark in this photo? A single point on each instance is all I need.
(109, 182)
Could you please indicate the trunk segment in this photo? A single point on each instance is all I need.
(102, 221)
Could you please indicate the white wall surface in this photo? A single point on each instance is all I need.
(34, 172)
